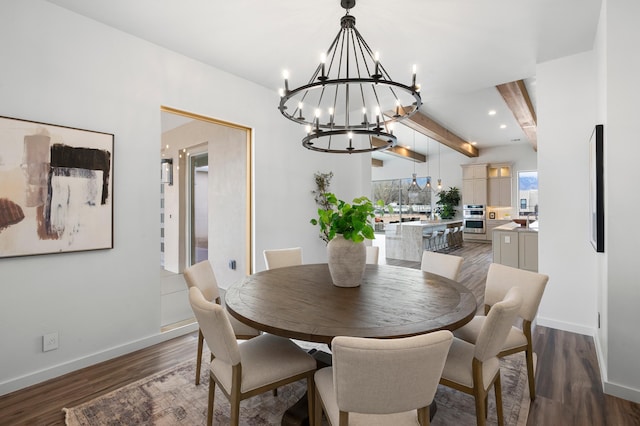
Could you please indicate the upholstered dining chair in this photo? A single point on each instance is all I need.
(372, 254)
(447, 265)
(201, 276)
(381, 381)
(279, 258)
(500, 279)
(474, 369)
(251, 368)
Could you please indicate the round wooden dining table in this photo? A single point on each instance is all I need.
(301, 302)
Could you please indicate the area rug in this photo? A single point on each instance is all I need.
(170, 397)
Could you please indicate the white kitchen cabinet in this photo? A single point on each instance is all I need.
(505, 248)
(515, 247)
(499, 185)
(528, 251)
(499, 192)
(474, 191)
(474, 171)
(474, 184)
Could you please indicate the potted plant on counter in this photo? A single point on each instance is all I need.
(447, 202)
(346, 226)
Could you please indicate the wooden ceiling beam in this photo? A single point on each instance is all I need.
(424, 124)
(400, 151)
(376, 163)
(517, 98)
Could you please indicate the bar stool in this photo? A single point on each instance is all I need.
(451, 238)
(441, 239)
(430, 241)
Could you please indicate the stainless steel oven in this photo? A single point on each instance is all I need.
(474, 226)
(473, 216)
(473, 211)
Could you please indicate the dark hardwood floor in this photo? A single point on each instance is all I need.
(569, 390)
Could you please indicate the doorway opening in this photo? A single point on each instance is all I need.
(206, 209)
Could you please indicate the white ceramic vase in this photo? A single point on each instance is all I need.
(347, 261)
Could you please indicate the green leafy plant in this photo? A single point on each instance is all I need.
(323, 181)
(352, 221)
(447, 202)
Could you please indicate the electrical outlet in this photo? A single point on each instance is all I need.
(49, 342)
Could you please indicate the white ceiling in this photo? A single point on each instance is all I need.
(462, 48)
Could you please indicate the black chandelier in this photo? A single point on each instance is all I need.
(350, 103)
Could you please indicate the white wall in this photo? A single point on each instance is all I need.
(621, 186)
(574, 94)
(566, 117)
(64, 69)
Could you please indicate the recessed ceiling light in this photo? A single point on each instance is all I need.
(503, 126)
(492, 112)
(474, 143)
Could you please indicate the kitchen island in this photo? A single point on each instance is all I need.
(516, 246)
(404, 241)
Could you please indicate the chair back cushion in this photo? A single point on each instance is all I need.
(446, 265)
(501, 278)
(216, 328)
(497, 325)
(382, 376)
(280, 258)
(201, 276)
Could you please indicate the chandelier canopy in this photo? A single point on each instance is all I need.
(350, 103)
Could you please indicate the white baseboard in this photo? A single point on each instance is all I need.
(566, 326)
(18, 383)
(623, 392)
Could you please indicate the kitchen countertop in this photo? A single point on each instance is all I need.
(514, 227)
(428, 222)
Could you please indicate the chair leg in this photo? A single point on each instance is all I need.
(481, 417)
(486, 406)
(235, 395)
(311, 399)
(212, 392)
(497, 387)
(318, 408)
(530, 374)
(234, 416)
(199, 358)
(423, 416)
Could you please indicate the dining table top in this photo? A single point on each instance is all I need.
(301, 302)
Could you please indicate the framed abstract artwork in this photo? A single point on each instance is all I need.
(596, 188)
(56, 189)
